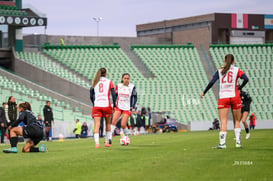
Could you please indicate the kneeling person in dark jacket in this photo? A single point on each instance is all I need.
(32, 129)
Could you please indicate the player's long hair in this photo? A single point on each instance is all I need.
(25, 106)
(124, 75)
(100, 73)
(229, 59)
(10, 97)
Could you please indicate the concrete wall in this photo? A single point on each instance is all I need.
(205, 125)
(36, 41)
(195, 36)
(175, 22)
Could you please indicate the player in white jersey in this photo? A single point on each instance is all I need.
(100, 97)
(126, 101)
(228, 96)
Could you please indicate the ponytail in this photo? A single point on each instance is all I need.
(100, 73)
(229, 59)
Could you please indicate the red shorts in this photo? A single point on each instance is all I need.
(128, 112)
(235, 103)
(102, 111)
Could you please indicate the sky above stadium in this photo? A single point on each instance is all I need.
(120, 17)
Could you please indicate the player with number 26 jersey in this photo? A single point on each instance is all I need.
(229, 96)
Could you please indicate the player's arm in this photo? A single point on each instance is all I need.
(6, 113)
(116, 91)
(250, 99)
(75, 129)
(133, 99)
(52, 117)
(92, 95)
(114, 98)
(245, 80)
(21, 118)
(2, 114)
(215, 77)
(113, 93)
(45, 114)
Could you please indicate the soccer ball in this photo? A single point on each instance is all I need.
(61, 137)
(124, 141)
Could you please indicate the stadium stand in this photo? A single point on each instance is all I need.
(168, 63)
(47, 64)
(256, 60)
(179, 79)
(62, 109)
(87, 59)
(173, 66)
(179, 74)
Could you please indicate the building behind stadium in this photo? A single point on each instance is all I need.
(219, 28)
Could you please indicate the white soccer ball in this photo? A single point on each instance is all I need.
(124, 141)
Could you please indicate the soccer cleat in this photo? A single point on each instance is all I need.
(42, 148)
(11, 150)
(238, 145)
(110, 141)
(97, 146)
(247, 135)
(221, 146)
(107, 145)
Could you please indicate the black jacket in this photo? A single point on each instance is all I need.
(48, 114)
(3, 117)
(11, 112)
(246, 99)
(29, 118)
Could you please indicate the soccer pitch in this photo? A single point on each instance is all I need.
(168, 156)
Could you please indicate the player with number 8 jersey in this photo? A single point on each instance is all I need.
(228, 96)
(100, 97)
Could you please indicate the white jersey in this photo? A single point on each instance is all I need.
(124, 96)
(102, 92)
(228, 82)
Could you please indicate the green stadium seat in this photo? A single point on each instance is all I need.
(35, 98)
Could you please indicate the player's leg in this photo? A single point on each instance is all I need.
(236, 105)
(27, 147)
(35, 135)
(97, 113)
(3, 132)
(14, 132)
(116, 116)
(96, 131)
(244, 117)
(30, 146)
(139, 124)
(223, 115)
(108, 138)
(124, 121)
(47, 131)
(237, 128)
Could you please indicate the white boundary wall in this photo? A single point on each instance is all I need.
(205, 125)
(65, 128)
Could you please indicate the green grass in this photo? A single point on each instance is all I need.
(173, 156)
